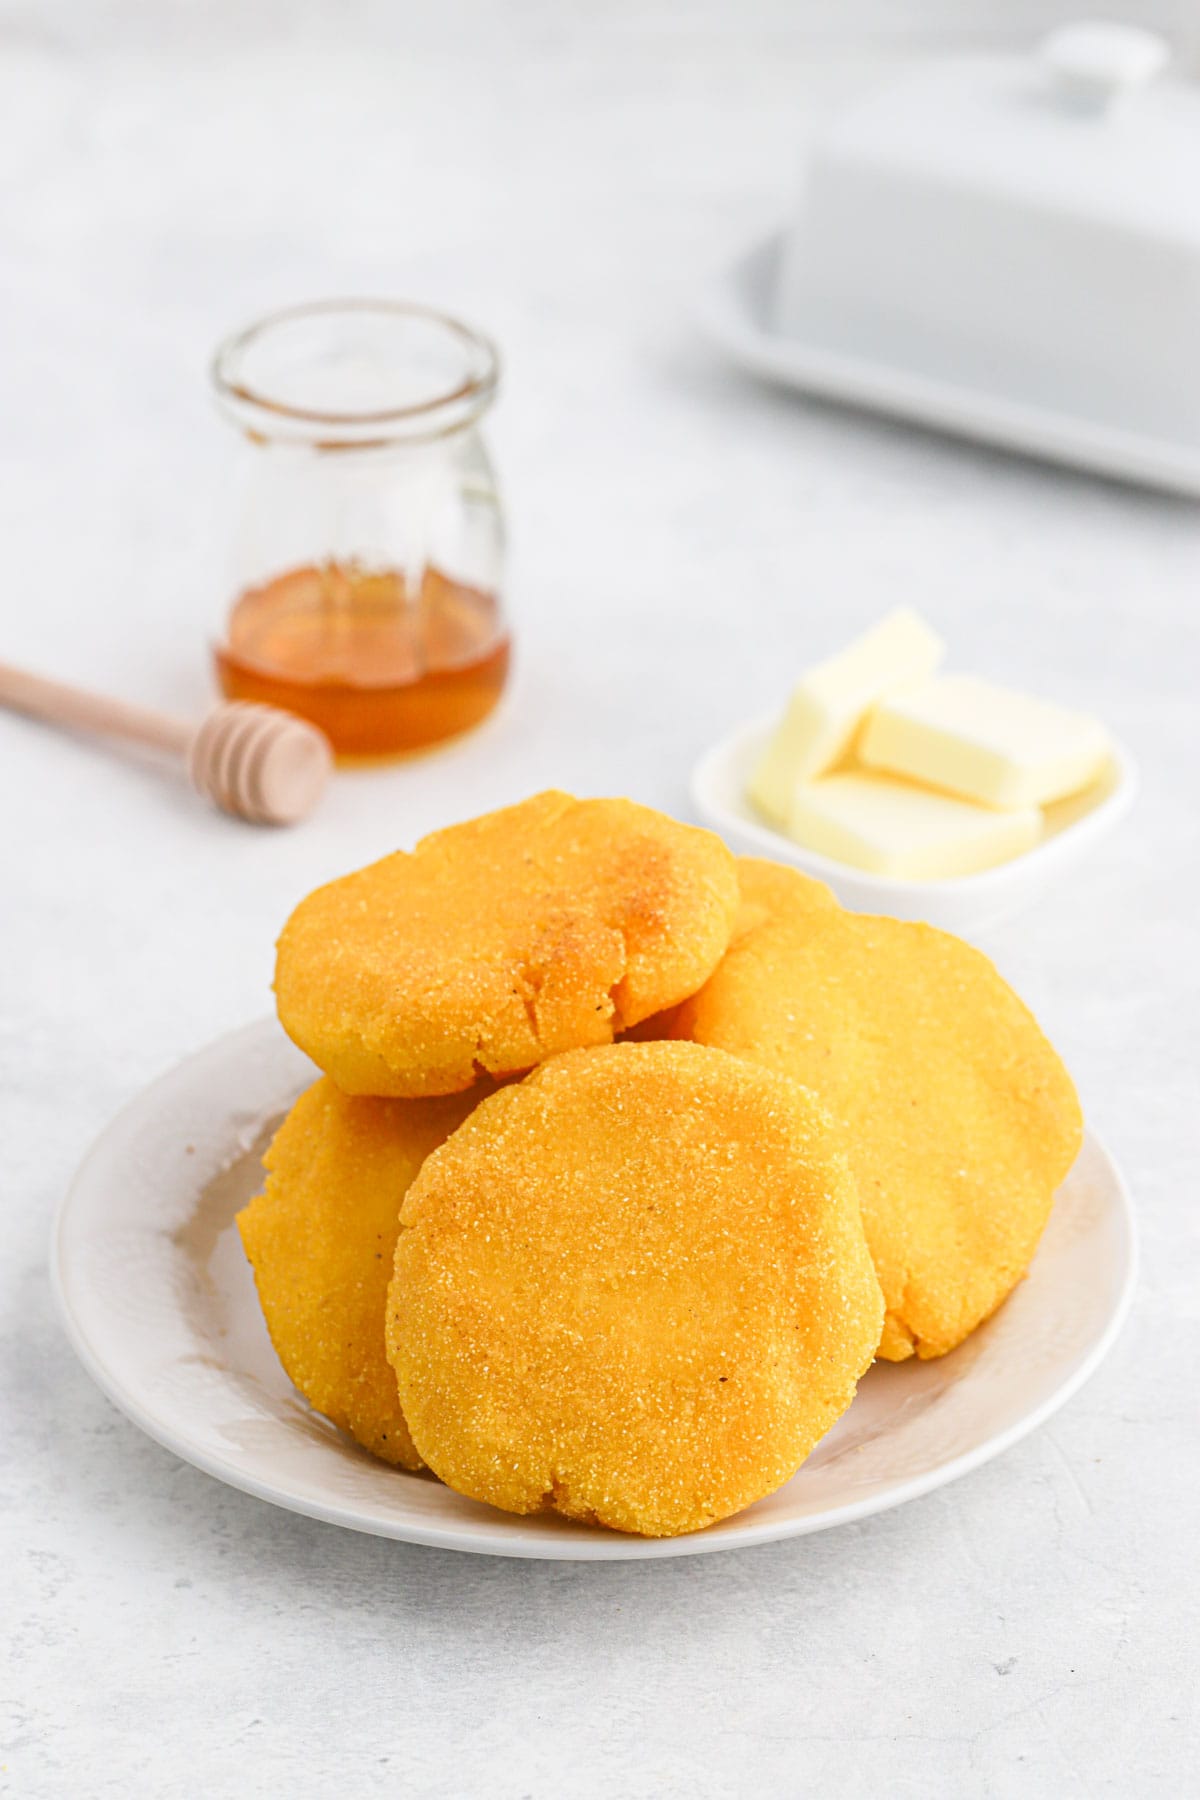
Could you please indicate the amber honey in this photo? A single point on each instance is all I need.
(381, 668)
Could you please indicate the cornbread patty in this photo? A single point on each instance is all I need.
(764, 889)
(494, 944)
(960, 1121)
(767, 888)
(633, 1289)
(321, 1238)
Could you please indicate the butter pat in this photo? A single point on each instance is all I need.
(892, 828)
(985, 743)
(828, 707)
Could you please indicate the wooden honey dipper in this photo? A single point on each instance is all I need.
(256, 762)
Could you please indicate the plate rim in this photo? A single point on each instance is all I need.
(485, 1539)
(982, 415)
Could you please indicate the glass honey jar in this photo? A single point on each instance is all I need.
(366, 580)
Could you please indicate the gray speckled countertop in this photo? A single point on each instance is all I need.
(682, 540)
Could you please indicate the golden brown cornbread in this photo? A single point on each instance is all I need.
(960, 1120)
(633, 1289)
(494, 944)
(769, 888)
(321, 1239)
(764, 888)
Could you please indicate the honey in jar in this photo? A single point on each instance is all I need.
(367, 559)
(377, 671)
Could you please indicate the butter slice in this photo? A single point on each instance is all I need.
(893, 828)
(985, 743)
(828, 707)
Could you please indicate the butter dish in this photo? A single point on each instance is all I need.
(963, 904)
(1004, 246)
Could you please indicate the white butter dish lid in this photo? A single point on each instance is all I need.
(1046, 131)
(1027, 226)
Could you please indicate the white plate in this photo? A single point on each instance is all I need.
(965, 904)
(160, 1306)
(734, 312)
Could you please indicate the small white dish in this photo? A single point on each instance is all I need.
(734, 311)
(159, 1303)
(965, 904)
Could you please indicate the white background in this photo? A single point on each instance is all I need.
(683, 542)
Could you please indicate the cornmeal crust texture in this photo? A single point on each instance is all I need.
(494, 944)
(764, 888)
(960, 1121)
(321, 1239)
(633, 1289)
(767, 889)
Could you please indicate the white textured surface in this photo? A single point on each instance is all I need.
(683, 540)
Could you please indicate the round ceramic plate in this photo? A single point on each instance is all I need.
(159, 1303)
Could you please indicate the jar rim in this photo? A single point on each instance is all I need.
(449, 409)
